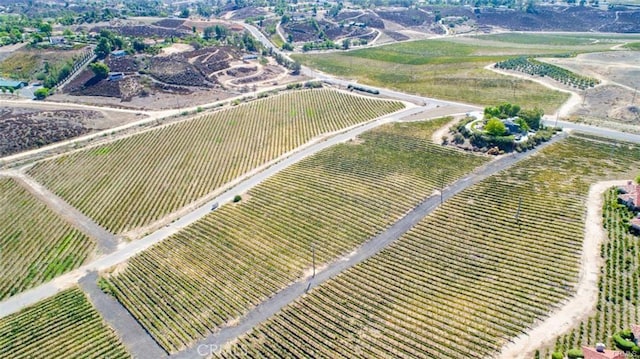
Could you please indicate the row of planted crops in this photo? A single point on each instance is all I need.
(236, 257)
(136, 181)
(478, 271)
(532, 67)
(63, 326)
(35, 243)
(617, 306)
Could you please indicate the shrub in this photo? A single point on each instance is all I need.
(575, 353)
(458, 138)
(626, 334)
(237, 198)
(495, 127)
(41, 93)
(622, 343)
(557, 355)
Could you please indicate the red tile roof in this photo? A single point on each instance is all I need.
(592, 353)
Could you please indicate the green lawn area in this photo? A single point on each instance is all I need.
(453, 69)
(633, 46)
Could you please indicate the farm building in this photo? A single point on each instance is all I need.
(630, 196)
(599, 352)
(249, 57)
(12, 84)
(56, 40)
(119, 53)
(115, 76)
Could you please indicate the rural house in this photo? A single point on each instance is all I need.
(119, 53)
(115, 76)
(630, 196)
(599, 352)
(12, 84)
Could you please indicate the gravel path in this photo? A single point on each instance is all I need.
(579, 306)
(134, 337)
(107, 242)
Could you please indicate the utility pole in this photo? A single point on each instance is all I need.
(441, 186)
(313, 259)
(518, 211)
(633, 101)
(557, 115)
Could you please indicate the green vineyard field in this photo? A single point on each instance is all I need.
(215, 270)
(35, 243)
(63, 326)
(136, 181)
(476, 272)
(617, 307)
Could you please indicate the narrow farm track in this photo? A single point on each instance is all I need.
(138, 343)
(107, 242)
(578, 307)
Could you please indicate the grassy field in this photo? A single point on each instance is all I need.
(453, 69)
(138, 180)
(25, 63)
(215, 270)
(617, 306)
(635, 46)
(466, 278)
(63, 326)
(35, 244)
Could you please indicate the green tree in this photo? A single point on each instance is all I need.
(495, 127)
(45, 28)
(100, 70)
(346, 43)
(103, 48)
(184, 13)
(532, 117)
(41, 93)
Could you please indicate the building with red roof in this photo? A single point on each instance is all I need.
(601, 353)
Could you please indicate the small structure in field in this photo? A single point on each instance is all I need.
(115, 76)
(599, 352)
(119, 53)
(57, 40)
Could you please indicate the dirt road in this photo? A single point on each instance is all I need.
(578, 307)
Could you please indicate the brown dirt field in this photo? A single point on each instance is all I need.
(158, 100)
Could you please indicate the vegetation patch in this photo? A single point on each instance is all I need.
(482, 268)
(237, 256)
(65, 326)
(145, 177)
(618, 306)
(35, 244)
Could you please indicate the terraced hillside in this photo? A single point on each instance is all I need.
(63, 326)
(476, 272)
(215, 270)
(140, 179)
(35, 243)
(617, 307)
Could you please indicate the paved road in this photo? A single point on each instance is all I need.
(32, 296)
(134, 337)
(271, 306)
(107, 242)
(593, 130)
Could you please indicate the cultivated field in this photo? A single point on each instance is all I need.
(35, 244)
(617, 307)
(476, 272)
(63, 326)
(453, 69)
(139, 180)
(215, 270)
